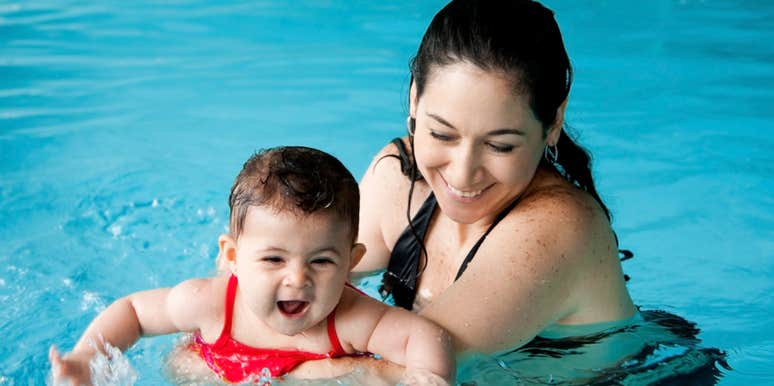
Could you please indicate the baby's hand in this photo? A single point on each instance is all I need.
(71, 367)
(417, 377)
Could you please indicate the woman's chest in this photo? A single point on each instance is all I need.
(441, 264)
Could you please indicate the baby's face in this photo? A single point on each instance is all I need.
(292, 269)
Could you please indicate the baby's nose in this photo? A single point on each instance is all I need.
(296, 277)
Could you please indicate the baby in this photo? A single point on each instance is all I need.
(284, 298)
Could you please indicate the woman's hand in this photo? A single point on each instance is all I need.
(357, 370)
(422, 378)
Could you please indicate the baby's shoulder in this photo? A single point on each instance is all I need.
(357, 317)
(200, 299)
(358, 309)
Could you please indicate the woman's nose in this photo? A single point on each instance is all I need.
(464, 167)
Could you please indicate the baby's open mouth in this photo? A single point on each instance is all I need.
(292, 307)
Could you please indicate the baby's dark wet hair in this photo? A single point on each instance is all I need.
(298, 179)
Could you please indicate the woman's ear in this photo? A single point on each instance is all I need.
(413, 99)
(357, 252)
(556, 129)
(227, 253)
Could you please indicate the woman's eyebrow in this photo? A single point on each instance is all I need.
(495, 132)
(441, 120)
(506, 131)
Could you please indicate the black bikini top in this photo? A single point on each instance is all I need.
(403, 270)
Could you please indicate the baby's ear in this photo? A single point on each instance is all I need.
(357, 252)
(227, 253)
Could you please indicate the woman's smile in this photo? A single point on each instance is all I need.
(465, 195)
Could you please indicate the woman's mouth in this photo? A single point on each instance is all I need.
(464, 195)
(292, 308)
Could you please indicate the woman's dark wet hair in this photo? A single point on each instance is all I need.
(517, 38)
(297, 179)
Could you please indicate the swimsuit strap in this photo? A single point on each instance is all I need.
(405, 160)
(358, 290)
(473, 250)
(230, 296)
(337, 350)
(400, 279)
(333, 337)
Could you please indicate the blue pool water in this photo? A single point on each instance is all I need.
(122, 125)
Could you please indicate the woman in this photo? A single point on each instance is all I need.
(508, 238)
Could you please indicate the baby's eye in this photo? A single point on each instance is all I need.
(323, 261)
(272, 259)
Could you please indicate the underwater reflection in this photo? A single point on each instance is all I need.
(660, 349)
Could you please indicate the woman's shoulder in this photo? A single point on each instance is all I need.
(384, 199)
(391, 161)
(570, 239)
(566, 220)
(391, 167)
(557, 201)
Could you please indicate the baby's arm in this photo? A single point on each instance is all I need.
(401, 337)
(146, 313)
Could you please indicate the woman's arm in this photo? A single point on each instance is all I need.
(383, 203)
(373, 200)
(362, 370)
(538, 266)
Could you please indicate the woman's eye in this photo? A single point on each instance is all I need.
(440, 136)
(500, 148)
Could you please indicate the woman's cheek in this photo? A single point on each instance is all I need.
(428, 154)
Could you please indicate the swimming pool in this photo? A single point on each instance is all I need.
(122, 125)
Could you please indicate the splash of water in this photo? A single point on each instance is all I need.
(111, 368)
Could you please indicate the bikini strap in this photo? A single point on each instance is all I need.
(473, 250)
(400, 278)
(405, 160)
(229, 308)
(358, 290)
(337, 350)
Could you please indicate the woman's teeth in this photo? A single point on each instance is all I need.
(464, 194)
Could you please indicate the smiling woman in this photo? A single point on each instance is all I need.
(513, 230)
(477, 144)
(492, 209)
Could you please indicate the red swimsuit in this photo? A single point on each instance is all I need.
(235, 362)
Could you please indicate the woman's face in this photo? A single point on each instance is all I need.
(476, 143)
